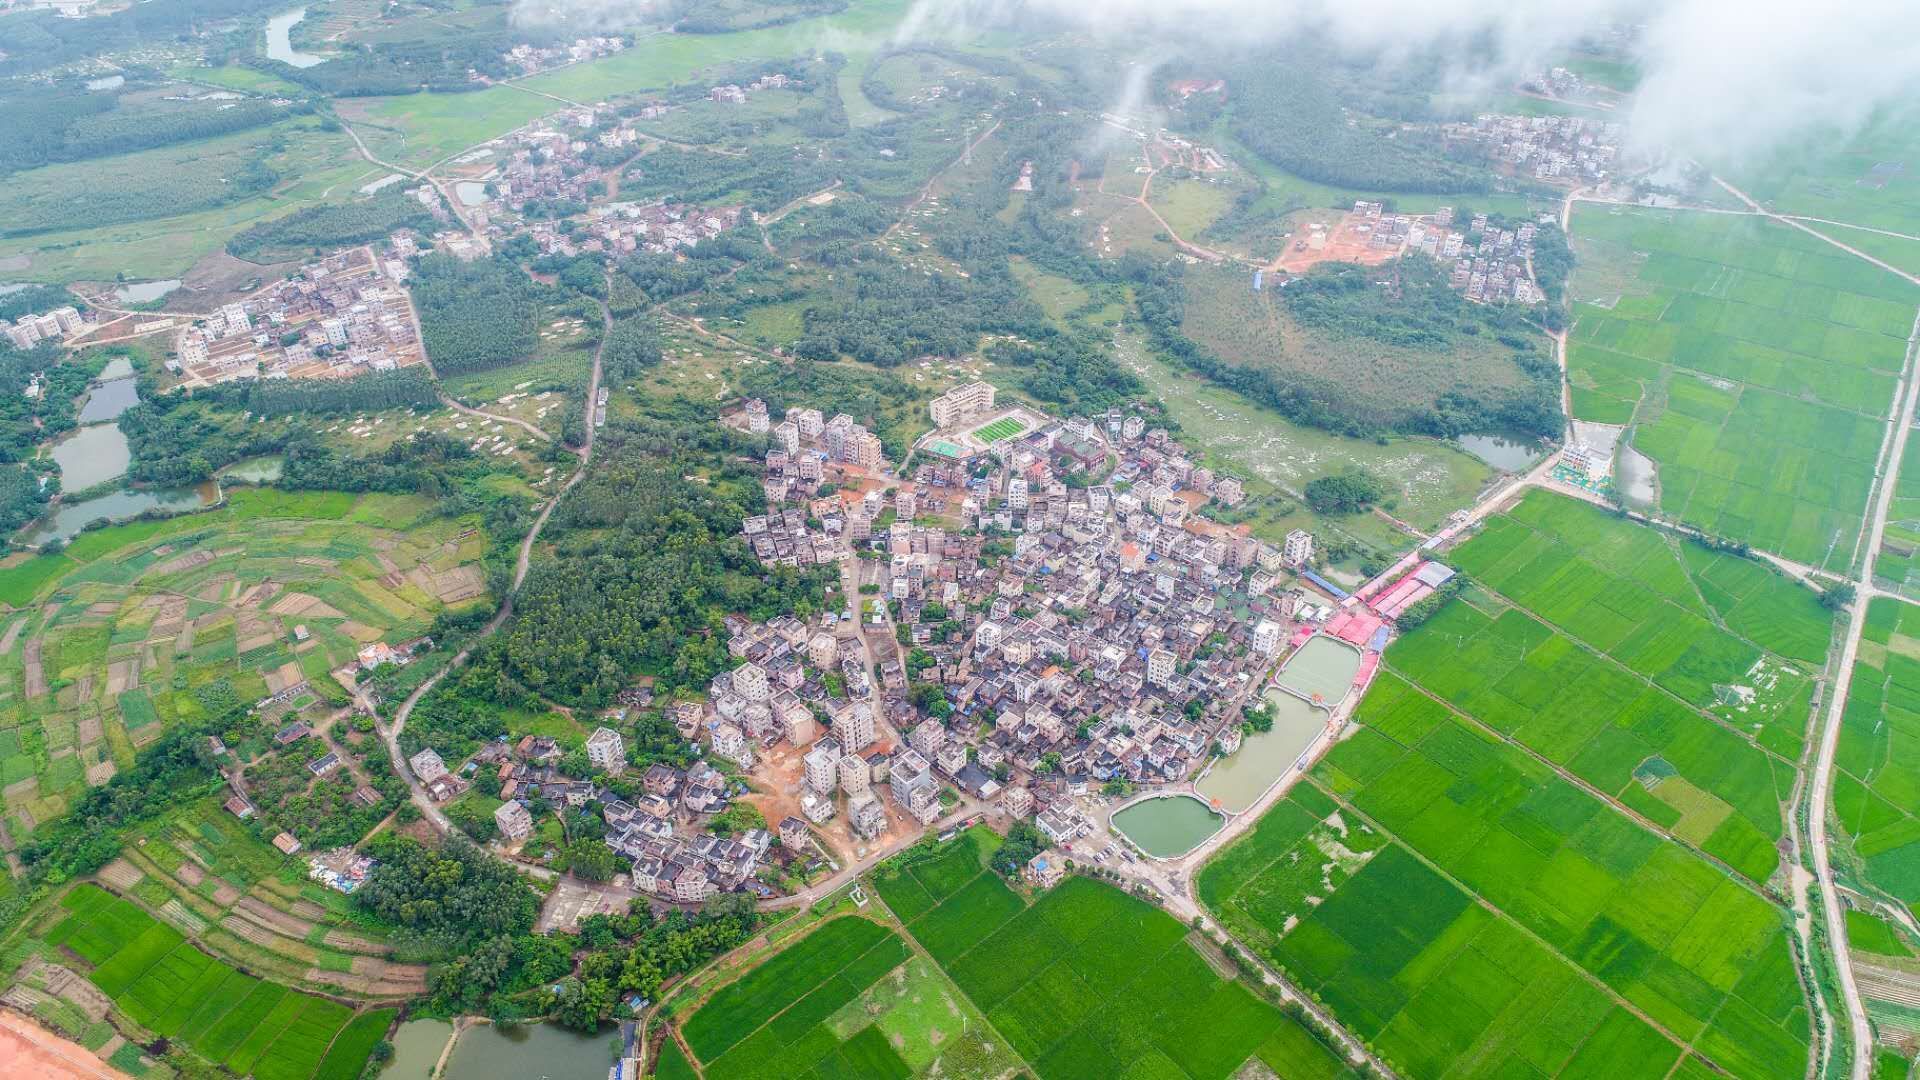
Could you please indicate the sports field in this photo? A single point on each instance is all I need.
(137, 627)
(1755, 363)
(168, 986)
(1004, 428)
(1876, 790)
(1550, 832)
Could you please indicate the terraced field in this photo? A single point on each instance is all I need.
(168, 986)
(140, 626)
(255, 907)
(1543, 851)
(1755, 363)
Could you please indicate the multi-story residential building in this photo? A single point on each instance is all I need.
(514, 821)
(855, 728)
(866, 816)
(607, 751)
(1297, 550)
(750, 682)
(1267, 636)
(823, 765)
(1160, 666)
(729, 742)
(856, 778)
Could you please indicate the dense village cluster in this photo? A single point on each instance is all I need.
(549, 172)
(344, 315)
(1065, 619)
(1488, 262)
(1555, 149)
(529, 59)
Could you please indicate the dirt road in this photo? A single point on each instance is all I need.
(390, 733)
(31, 1052)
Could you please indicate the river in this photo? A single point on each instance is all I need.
(1235, 783)
(280, 40)
(1168, 826)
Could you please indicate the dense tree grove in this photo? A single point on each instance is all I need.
(178, 438)
(26, 421)
(1552, 261)
(1290, 116)
(34, 299)
(475, 315)
(1420, 312)
(770, 176)
(455, 895)
(42, 125)
(887, 314)
(429, 464)
(1345, 493)
(401, 388)
(401, 67)
(646, 565)
(633, 346)
(329, 225)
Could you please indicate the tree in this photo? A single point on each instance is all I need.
(1345, 493)
(736, 819)
(591, 859)
(1024, 841)
(1837, 597)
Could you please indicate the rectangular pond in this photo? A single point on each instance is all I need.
(1167, 826)
(1322, 671)
(1235, 783)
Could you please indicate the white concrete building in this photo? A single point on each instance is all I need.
(961, 402)
(607, 751)
(1297, 550)
(823, 765)
(1266, 637)
(1160, 667)
(427, 766)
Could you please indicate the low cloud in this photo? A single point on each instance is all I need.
(1722, 80)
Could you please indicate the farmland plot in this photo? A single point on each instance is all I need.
(1621, 671)
(1877, 787)
(1472, 913)
(1756, 364)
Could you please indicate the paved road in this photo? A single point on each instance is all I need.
(390, 733)
(1831, 907)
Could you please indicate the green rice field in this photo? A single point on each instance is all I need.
(1876, 789)
(168, 986)
(1083, 982)
(1755, 364)
(1547, 839)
